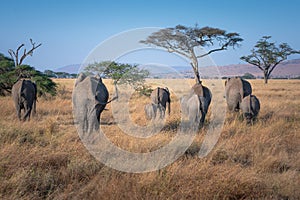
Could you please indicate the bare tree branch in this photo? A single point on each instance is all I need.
(211, 51)
(15, 54)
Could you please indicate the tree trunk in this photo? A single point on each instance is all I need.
(196, 71)
(197, 78)
(266, 77)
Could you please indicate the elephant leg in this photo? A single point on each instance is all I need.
(28, 109)
(193, 122)
(27, 112)
(34, 108)
(162, 112)
(98, 112)
(169, 107)
(18, 109)
(202, 117)
(93, 120)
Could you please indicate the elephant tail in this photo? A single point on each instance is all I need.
(21, 89)
(34, 106)
(158, 97)
(169, 106)
(97, 102)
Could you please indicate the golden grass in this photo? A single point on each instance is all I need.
(45, 158)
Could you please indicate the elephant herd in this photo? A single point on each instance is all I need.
(161, 100)
(238, 94)
(90, 97)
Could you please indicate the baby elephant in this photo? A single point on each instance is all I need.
(153, 111)
(250, 107)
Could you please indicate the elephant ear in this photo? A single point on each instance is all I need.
(21, 88)
(167, 89)
(98, 77)
(239, 83)
(198, 90)
(80, 78)
(227, 81)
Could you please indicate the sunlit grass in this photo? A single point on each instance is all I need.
(45, 158)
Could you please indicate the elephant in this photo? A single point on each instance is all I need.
(191, 110)
(194, 107)
(250, 107)
(153, 111)
(205, 96)
(90, 97)
(24, 93)
(236, 89)
(162, 96)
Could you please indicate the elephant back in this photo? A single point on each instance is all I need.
(198, 90)
(250, 106)
(28, 87)
(247, 89)
(238, 84)
(255, 104)
(17, 89)
(92, 88)
(24, 88)
(234, 83)
(160, 95)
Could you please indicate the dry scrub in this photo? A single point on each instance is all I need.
(44, 158)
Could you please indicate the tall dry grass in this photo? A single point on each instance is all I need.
(45, 158)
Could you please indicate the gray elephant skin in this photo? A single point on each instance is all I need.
(162, 96)
(154, 111)
(90, 97)
(205, 96)
(195, 105)
(250, 107)
(235, 90)
(24, 93)
(191, 110)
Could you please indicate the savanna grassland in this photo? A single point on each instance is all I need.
(45, 158)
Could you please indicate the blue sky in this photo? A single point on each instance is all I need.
(70, 30)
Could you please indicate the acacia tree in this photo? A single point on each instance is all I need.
(184, 40)
(120, 73)
(266, 55)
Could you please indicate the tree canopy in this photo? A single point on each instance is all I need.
(184, 40)
(9, 74)
(13, 69)
(120, 73)
(267, 55)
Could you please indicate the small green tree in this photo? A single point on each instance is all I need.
(266, 55)
(248, 76)
(119, 73)
(50, 73)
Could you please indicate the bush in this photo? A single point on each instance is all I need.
(248, 76)
(144, 90)
(10, 74)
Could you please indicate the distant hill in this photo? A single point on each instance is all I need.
(71, 69)
(287, 69)
(290, 68)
